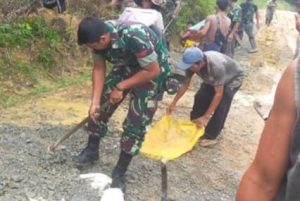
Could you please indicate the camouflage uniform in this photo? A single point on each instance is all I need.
(235, 15)
(248, 11)
(270, 12)
(133, 47)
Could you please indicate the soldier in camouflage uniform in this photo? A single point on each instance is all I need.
(271, 6)
(249, 9)
(235, 15)
(140, 70)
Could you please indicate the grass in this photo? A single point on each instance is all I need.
(8, 101)
(28, 53)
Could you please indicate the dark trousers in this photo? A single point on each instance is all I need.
(202, 101)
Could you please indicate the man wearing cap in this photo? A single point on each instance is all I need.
(140, 69)
(222, 77)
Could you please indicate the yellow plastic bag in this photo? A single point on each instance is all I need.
(170, 138)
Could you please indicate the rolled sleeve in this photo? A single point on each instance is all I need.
(97, 57)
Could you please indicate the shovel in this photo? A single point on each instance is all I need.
(53, 146)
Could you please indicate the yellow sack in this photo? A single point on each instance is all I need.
(169, 138)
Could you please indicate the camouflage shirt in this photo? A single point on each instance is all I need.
(248, 11)
(235, 14)
(134, 46)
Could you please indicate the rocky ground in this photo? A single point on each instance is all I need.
(29, 172)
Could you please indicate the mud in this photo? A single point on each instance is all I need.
(29, 172)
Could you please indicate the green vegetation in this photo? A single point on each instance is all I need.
(19, 37)
(191, 10)
(24, 33)
(7, 101)
(31, 53)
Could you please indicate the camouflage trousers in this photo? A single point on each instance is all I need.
(142, 107)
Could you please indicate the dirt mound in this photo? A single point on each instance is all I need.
(276, 45)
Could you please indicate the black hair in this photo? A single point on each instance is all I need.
(90, 29)
(222, 4)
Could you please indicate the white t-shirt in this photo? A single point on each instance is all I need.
(147, 17)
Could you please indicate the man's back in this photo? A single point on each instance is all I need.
(222, 70)
(221, 22)
(248, 11)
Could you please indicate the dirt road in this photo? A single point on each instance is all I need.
(28, 172)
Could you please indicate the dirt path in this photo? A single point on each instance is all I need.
(28, 172)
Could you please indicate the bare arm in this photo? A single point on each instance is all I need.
(262, 180)
(203, 31)
(257, 18)
(98, 78)
(177, 9)
(234, 29)
(219, 90)
(184, 87)
(181, 91)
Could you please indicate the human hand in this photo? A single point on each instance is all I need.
(94, 112)
(115, 96)
(171, 108)
(230, 37)
(202, 121)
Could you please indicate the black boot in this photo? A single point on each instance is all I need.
(90, 153)
(118, 174)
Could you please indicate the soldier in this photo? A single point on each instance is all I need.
(235, 15)
(140, 70)
(271, 6)
(249, 9)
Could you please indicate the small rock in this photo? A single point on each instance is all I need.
(28, 141)
(13, 185)
(17, 178)
(51, 187)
